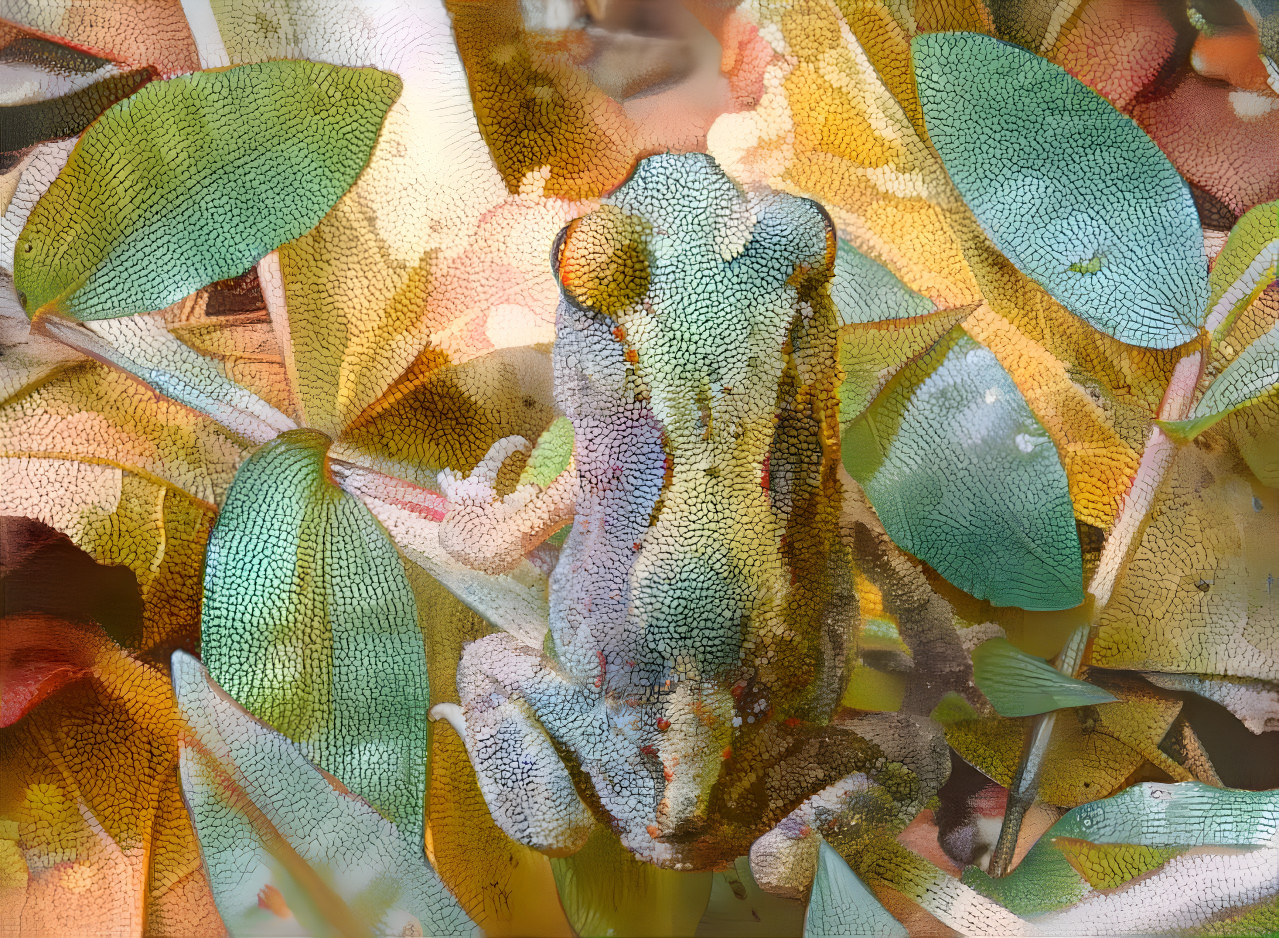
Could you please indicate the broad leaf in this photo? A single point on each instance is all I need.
(309, 622)
(1021, 685)
(964, 477)
(605, 890)
(841, 904)
(1198, 594)
(1252, 376)
(1037, 156)
(204, 174)
(280, 840)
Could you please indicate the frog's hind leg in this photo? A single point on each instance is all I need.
(525, 784)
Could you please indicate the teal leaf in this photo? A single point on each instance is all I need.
(865, 291)
(273, 829)
(195, 179)
(1120, 865)
(1252, 376)
(309, 622)
(1070, 190)
(1020, 685)
(840, 903)
(964, 477)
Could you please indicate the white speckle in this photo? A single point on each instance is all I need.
(992, 395)
(1249, 105)
(1025, 442)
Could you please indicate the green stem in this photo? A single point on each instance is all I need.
(1124, 537)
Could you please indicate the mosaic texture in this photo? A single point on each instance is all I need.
(639, 467)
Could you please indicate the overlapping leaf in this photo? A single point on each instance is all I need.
(94, 838)
(1146, 859)
(310, 624)
(195, 148)
(963, 476)
(281, 840)
(1036, 154)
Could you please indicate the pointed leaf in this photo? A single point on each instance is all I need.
(871, 353)
(281, 840)
(310, 623)
(141, 346)
(206, 174)
(842, 905)
(963, 476)
(1093, 751)
(1251, 377)
(1038, 156)
(22, 125)
(1120, 866)
(1021, 685)
(865, 291)
(1246, 265)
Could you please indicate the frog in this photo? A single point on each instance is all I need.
(701, 604)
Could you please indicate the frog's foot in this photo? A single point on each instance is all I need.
(492, 533)
(858, 809)
(528, 790)
(516, 710)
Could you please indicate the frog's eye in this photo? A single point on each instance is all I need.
(601, 261)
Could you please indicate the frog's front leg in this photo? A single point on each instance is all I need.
(493, 533)
(517, 710)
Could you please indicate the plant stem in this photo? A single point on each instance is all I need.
(1124, 537)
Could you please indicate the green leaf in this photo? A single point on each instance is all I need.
(1073, 192)
(1117, 865)
(1251, 377)
(1021, 685)
(963, 476)
(1246, 265)
(280, 840)
(841, 904)
(195, 179)
(551, 455)
(22, 125)
(605, 890)
(865, 291)
(309, 622)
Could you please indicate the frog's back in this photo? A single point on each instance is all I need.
(695, 356)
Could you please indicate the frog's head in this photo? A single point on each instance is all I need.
(703, 282)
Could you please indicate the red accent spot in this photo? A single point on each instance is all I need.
(619, 333)
(599, 681)
(648, 751)
(653, 831)
(792, 721)
(763, 476)
(663, 724)
(805, 831)
(670, 776)
(727, 753)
